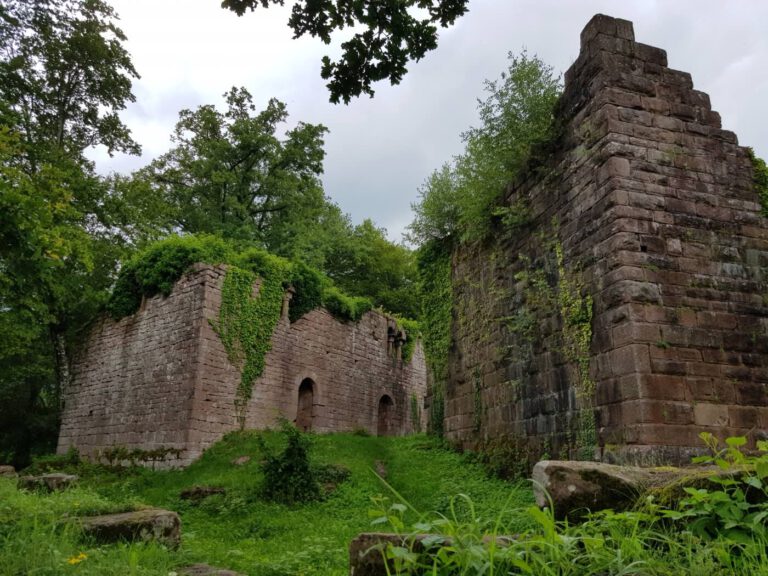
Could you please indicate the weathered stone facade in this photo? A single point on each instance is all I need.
(629, 314)
(161, 378)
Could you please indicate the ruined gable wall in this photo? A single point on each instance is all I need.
(162, 377)
(652, 207)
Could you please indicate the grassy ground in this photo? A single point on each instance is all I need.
(239, 530)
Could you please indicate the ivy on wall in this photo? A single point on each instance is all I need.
(760, 178)
(412, 330)
(554, 288)
(246, 321)
(434, 264)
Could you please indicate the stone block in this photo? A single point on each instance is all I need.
(366, 556)
(206, 570)
(158, 525)
(53, 482)
(602, 24)
(575, 488)
(715, 415)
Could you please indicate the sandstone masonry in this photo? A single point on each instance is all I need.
(643, 224)
(161, 378)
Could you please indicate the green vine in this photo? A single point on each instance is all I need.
(477, 401)
(568, 299)
(760, 179)
(245, 326)
(412, 331)
(434, 265)
(576, 313)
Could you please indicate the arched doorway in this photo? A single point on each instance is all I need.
(304, 412)
(386, 409)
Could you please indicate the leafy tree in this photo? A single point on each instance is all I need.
(366, 263)
(231, 174)
(391, 33)
(63, 77)
(459, 200)
(458, 203)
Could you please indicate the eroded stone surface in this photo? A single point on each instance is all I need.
(49, 482)
(366, 556)
(162, 526)
(206, 570)
(572, 488)
(198, 493)
(7, 471)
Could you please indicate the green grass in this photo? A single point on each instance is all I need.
(239, 530)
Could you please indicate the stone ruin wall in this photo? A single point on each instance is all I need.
(652, 206)
(161, 377)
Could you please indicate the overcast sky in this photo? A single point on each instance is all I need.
(189, 52)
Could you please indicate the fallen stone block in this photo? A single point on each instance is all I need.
(241, 460)
(199, 493)
(53, 482)
(574, 488)
(155, 524)
(205, 570)
(7, 472)
(366, 551)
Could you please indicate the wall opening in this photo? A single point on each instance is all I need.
(386, 409)
(305, 410)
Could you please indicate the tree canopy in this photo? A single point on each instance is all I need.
(64, 76)
(230, 173)
(458, 201)
(390, 34)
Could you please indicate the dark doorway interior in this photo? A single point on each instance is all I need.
(386, 409)
(304, 413)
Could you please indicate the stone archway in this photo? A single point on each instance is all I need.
(305, 409)
(385, 415)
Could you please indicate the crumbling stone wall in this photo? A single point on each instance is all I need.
(162, 377)
(629, 313)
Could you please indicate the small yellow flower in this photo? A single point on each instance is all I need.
(77, 559)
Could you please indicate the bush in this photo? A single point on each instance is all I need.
(760, 178)
(459, 202)
(288, 476)
(348, 308)
(308, 286)
(736, 506)
(156, 269)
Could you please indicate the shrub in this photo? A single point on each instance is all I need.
(760, 178)
(156, 269)
(308, 290)
(348, 308)
(736, 506)
(288, 475)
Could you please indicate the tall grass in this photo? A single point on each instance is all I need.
(717, 530)
(239, 530)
